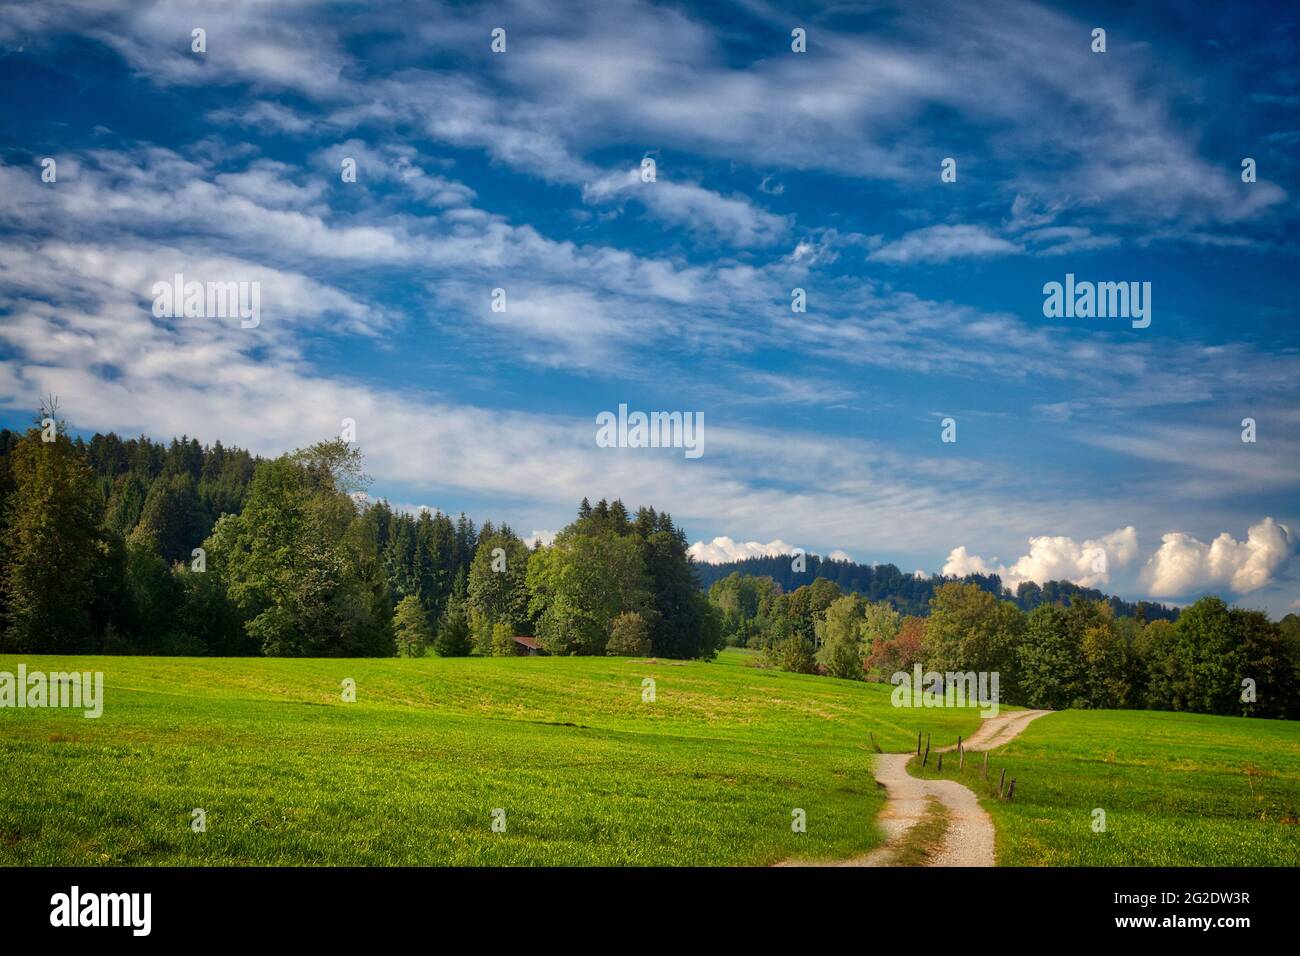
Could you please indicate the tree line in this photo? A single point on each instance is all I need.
(910, 593)
(1213, 659)
(136, 547)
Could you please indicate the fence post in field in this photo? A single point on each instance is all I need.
(926, 758)
(939, 766)
(874, 744)
(986, 765)
(1012, 791)
(918, 743)
(1002, 782)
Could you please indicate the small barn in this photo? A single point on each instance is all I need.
(526, 646)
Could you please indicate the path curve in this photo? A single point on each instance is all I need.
(969, 838)
(996, 731)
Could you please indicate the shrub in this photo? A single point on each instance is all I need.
(629, 636)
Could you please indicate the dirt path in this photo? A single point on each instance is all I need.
(996, 731)
(968, 840)
(970, 836)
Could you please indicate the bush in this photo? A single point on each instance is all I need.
(795, 654)
(503, 640)
(629, 636)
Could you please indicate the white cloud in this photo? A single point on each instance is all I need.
(546, 537)
(723, 549)
(1184, 565)
(407, 508)
(732, 219)
(1055, 558)
(838, 555)
(942, 243)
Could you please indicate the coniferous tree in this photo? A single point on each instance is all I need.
(411, 627)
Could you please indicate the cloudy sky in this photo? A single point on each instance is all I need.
(1086, 448)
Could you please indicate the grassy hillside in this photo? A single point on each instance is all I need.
(587, 773)
(1177, 790)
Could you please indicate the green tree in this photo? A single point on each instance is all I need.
(880, 622)
(970, 630)
(679, 626)
(411, 627)
(1105, 666)
(286, 565)
(1208, 659)
(1268, 659)
(503, 639)
(1163, 678)
(795, 654)
(1049, 660)
(806, 604)
(842, 647)
(154, 596)
(453, 630)
(52, 547)
(629, 636)
(174, 517)
(497, 586)
(580, 584)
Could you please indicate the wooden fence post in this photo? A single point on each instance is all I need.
(986, 765)
(918, 743)
(874, 744)
(1002, 782)
(938, 767)
(926, 758)
(1012, 792)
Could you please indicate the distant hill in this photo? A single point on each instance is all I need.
(911, 594)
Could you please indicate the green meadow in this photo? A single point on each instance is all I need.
(1176, 790)
(585, 771)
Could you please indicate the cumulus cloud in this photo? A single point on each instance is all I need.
(1184, 565)
(1055, 558)
(724, 549)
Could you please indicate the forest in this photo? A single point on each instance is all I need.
(911, 593)
(135, 547)
(1214, 659)
(112, 546)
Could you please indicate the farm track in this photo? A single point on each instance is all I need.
(969, 838)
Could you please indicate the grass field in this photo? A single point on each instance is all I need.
(1177, 790)
(585, 771)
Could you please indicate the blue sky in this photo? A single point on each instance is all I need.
(1086, 449)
